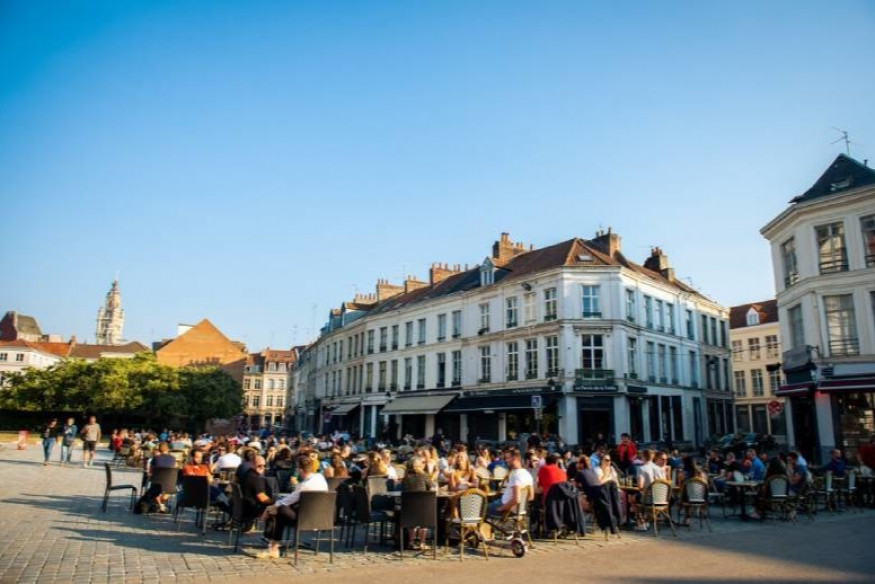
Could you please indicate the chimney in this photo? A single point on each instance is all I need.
(364, 299)
(440, 272)
(411, 284)
(658, 262)
(607, 242)
(504, 249)
(385, 290)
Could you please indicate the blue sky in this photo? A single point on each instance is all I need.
(256, 163)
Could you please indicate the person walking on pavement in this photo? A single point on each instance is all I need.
(90, 436)
(50, 435)
(68, 436)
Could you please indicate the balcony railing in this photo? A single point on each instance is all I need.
(831, 266)
(844, 347)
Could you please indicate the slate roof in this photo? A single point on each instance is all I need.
(843, 174)
(768, 310)
(84, 351)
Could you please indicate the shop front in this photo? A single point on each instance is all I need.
(502, 414)
(852, 400)
(414, 415)
(343, 416)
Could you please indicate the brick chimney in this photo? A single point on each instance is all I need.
(658, 262)
(607, 242)
(440, 272)
(411, 284)
(504, 249)
(385, 290)
(364, 299)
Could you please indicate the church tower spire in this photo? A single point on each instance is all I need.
(111, 318)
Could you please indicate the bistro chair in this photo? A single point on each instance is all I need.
(364, 515)
(235, 521)
(777, 498)
(167, 478)
(848, 491)
(715, 496)
(656, 503)
(695, 498)
(824, 491)
(467, 518)
(110, 488)
(418, 509)
(195, 495)
(315, 513)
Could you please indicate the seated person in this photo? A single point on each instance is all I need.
(518, 480)
(284, 512)
(254, 492)
(836, 464)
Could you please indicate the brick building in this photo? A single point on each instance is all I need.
(203, 345)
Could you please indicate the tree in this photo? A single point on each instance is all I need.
(210, 393)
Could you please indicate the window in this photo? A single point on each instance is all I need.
(484, 318)
(753, 317)
(269, 401)
(393, 375)
(650, 357)
(722, 333)
(832, 254)
(370, 342)
(4, 356)
(279, 401)
(457, 368)
(256, 384)
(457, 324)
(381, 377)
(552, 356)
(797, 332)
(632, 357)
(648, 312)
(756, 382)
(774, 381)
(788, 257)
(691, 329)
(753, 349)
(349, 346)
(384, 339)
(512, 312)
(394, 337)
(867, 227)
(408, 373)
(631, 309)
(771, 346)
(256, 401)
(369, 377)
(660, 316)
(272, 366)
(442, 327)
(663, 364)
(591, 305)
(593, 354)
(841, 325)
(421, 330)
(420, 372)
(529, 308)
(269, 384)
(737, 351)
(705, 329)
(485, 364)
(531, 358)
(246, 381)
(694, 369)
(487, 274)
(669, 308)
(714, 331)
(441, 369)
(550, 306)
(673, 364)
(513, 361)
(408, 333)
(740, 384)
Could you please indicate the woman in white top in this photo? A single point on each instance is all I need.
(606, 471)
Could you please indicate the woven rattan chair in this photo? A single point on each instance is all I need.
(695, 499)
(656, 503)
(467, 518)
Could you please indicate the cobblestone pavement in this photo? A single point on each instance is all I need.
(52, 530)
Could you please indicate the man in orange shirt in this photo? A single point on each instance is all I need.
(549, 474)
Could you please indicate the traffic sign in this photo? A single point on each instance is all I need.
(536, 402)
(775, 408)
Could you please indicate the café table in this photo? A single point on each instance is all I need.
(743, 488)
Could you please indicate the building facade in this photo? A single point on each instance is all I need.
(111, 318)
(267, 388)
(572, 339)
(823, 256)
(203, 345)
(18, 355)
(756, 369)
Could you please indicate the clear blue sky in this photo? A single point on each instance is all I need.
(257, 162)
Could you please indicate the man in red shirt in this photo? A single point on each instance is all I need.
(866, 453)
(549, 474)
(626, 452)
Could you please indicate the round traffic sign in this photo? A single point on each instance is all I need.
(775, 408)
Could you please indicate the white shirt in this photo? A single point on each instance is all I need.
(648, 471)
(391, 473)
(314, 482)
(518, 477)
(228, 460)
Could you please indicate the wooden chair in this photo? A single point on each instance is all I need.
(656, 503)
(467, 517)
(111, 487)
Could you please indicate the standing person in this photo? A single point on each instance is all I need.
(68, 436)
(90, 437)
(50, 434)
(626, 452)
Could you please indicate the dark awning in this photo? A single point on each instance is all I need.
(497, 403)
(344, 409)
(417, 404)
(791, 389)
(862, 383)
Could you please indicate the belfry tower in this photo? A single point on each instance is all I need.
(111, 318)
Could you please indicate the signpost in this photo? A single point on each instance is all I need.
(537, 405)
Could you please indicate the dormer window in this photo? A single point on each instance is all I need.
(753, 317)
(487, 273)
(840, 184)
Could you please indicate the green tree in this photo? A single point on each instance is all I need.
(210, 393)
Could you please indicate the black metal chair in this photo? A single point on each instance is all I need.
(110, 488)
(235, 521)
(418, 509)
(315, 513)
(195, 495)
(365, 516)
(168, 479)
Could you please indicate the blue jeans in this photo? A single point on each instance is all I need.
(48, 444)
(492, 509)
(66, 452)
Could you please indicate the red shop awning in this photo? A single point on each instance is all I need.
(792, 389)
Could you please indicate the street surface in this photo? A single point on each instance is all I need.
(52, 530)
